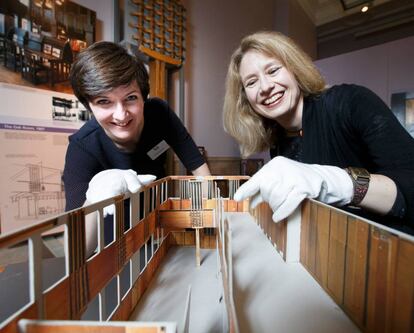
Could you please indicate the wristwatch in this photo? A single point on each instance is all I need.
(360, 178)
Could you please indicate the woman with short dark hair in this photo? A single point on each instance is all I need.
(123, 146)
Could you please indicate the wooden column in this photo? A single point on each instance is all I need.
(158, 74)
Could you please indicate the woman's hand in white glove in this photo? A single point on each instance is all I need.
(284, 183)
(109, 183)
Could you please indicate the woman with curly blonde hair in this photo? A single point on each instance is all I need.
(332, 144)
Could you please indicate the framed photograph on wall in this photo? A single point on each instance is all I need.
(402, 105)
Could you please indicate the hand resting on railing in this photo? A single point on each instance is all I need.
(284, 184)
(112, 182)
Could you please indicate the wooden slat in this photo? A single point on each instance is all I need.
(311, 257)
(381, 280)
(356, 269)
(243, 206)
(322, 245)
(336, 257)
(304, 233)
(403, 300)
(281, 234)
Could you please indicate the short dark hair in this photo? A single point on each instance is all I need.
(104, 66)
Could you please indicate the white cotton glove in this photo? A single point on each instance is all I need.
(109, 183)
(284, 183)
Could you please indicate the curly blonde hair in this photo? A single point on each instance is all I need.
(252, 131)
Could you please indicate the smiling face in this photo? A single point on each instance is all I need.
(120, 112)
(271, 89)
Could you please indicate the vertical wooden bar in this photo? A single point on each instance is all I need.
(304, 233)
(312, 238)
(403, 300)
(356, 269)
(381, 280)
(336, 257)
(157, 78)
(77, 268)
(322, 245)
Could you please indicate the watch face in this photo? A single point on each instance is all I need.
(360, 175)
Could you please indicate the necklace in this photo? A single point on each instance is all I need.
(290, 133)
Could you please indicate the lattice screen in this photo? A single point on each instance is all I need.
(160, 29)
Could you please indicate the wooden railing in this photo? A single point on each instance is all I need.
(85, 279)
(367, 268)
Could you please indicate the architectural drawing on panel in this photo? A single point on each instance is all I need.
(37, 192)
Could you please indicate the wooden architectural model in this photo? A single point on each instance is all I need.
(364, 267)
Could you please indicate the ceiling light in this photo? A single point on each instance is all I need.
(365, 8)
(349, 4)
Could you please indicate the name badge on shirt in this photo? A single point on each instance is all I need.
(158, 150)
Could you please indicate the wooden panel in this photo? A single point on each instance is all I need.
(322, 245)
(336, 257)
(151, 222)
(209, 204)
(182, 219)
(185, 204)
(56, 301)
(243, 206)
(213, 241)
(189, 237)
(223, 165)
(225, 202)
(381, 280)
(42, 327)
(356, 269)
(134, 239)
(304, 233)
(165, 205)
(175, 204)
(232, 206)
(177, 237)
(101, 270)
(403, 309)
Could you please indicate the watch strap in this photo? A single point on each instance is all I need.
(360, 179)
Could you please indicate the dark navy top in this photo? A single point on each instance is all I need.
(91, 151)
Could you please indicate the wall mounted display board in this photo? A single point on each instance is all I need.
(32, 153)
(39, 40)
